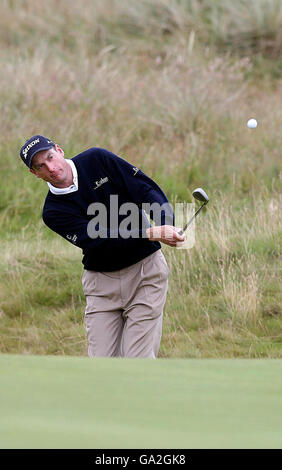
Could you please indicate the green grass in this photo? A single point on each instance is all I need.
(66, 402)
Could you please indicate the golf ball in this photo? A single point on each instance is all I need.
(252, 123)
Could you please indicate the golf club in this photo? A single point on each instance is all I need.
(202, 196)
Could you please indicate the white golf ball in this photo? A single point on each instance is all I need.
(252, 123)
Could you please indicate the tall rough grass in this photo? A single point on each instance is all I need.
(168, 85)
(224, 291)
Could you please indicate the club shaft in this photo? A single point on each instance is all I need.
(191, 220)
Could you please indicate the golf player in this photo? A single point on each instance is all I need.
(125, 275)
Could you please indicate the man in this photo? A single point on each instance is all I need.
(125, 273)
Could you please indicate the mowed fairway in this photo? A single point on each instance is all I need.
(77, 402)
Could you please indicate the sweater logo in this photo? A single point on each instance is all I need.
(72, 238)
(135, 170)
(100, 182)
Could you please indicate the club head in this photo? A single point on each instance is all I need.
(200, 195)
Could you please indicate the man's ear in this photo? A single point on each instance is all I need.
(58, 148)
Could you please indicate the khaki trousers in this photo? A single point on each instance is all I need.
(124, 309)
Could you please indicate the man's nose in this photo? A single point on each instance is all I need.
(50, 166)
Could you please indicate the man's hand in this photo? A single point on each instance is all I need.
(165, 234)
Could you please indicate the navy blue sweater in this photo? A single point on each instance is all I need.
(101, 175)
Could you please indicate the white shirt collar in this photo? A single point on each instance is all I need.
(70, 189)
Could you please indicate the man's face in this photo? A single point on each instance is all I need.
(50, 166)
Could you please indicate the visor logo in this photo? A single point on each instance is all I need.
(29, 146)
